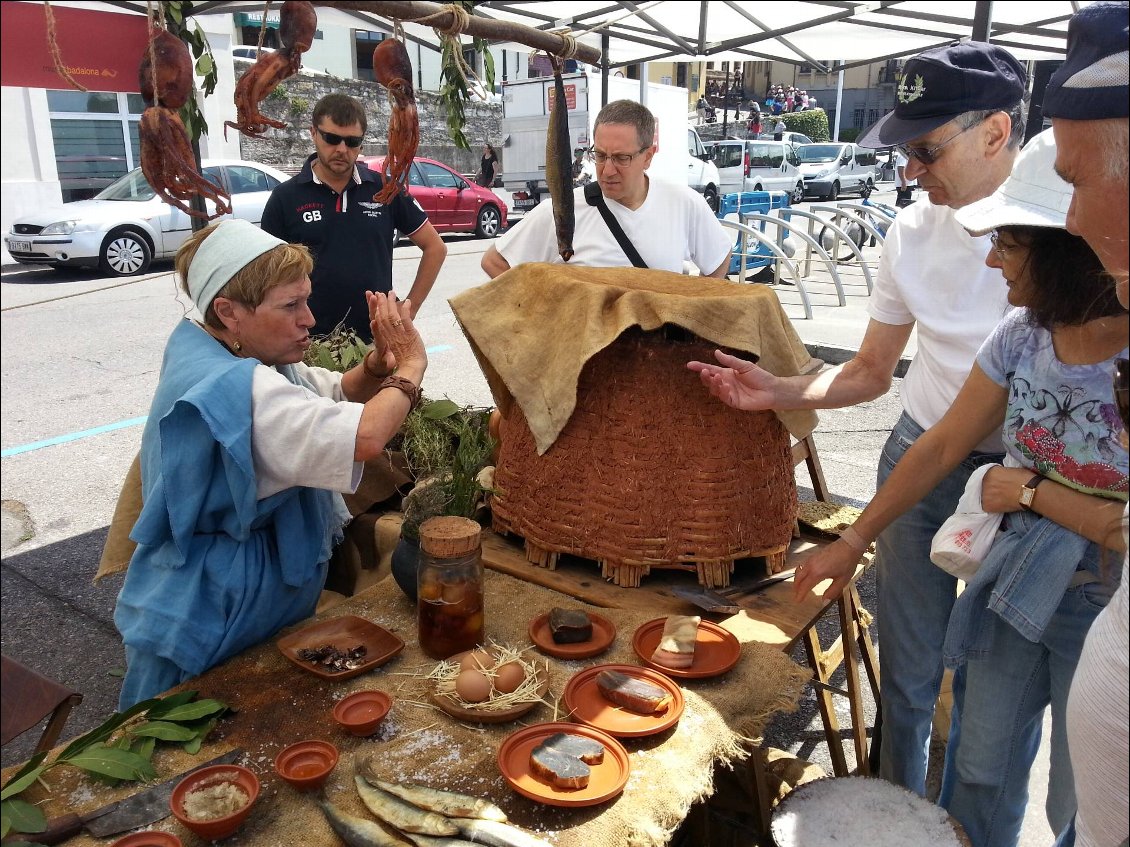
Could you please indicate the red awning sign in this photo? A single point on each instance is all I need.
(101, 50)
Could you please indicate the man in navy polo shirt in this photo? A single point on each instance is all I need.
(329, 207)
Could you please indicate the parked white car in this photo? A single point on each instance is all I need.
(758, 166)
(834, 168)
(125, 226)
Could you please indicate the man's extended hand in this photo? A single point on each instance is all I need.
(736, 382)
(836, 562)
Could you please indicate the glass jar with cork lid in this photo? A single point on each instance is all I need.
(450, 586)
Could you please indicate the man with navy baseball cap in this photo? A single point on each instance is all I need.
(958, 121)
(1089, 103)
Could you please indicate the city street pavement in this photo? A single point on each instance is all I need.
(80, 357)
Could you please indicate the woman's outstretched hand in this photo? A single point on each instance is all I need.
(736, 382)
(394, 336)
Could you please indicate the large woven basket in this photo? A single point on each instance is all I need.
(650, 471)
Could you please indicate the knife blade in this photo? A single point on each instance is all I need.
(721, 604)
(130, 812)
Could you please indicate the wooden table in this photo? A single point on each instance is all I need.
(770, 614)
(278, 704)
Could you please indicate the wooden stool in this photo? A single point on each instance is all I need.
(27, 697)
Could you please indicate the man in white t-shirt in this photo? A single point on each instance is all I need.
(666, 223)
(958, 120)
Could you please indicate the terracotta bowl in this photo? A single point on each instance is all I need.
(361, 713)
(216, 828)
(150, 838)
(307, 764)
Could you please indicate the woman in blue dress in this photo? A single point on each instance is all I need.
(245, 454)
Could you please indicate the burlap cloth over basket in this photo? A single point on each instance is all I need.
(611, 448)
(279, 704)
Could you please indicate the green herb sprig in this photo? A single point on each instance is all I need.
(120, 749)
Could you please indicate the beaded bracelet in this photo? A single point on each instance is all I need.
(374, 374)
(407, 386)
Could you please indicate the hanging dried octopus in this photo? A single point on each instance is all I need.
(393, 70)
(167, 159)
(297, 24)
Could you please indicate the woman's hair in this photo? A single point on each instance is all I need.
(490, 147)
(1067, 282)
(279, 266)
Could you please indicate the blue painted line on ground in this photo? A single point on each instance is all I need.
(98, 430)
(71, 436)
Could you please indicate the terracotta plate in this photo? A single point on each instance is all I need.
(607, 780)
(343, 633)
(603, 634)
(480, 715)
(716, 650)
(587, 705)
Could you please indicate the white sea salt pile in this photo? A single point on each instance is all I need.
(860, 811)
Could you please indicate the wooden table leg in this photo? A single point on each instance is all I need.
(818, 661)
(849, 636)
(761, 803)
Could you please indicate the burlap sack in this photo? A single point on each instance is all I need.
(534, 327)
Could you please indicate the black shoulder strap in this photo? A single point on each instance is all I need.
(594, 198)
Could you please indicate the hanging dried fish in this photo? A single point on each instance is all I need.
(558, 167)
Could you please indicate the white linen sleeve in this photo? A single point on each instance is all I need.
(532, 239)
(302, 438)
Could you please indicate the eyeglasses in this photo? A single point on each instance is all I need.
(1002, 250)
(333, 139)
(621, 160)
(929, 155)
(1122, 390)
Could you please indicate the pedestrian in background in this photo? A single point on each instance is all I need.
(489, 168)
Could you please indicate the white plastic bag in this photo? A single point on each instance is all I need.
(964, 540)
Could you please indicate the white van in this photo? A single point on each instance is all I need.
(702, 173)
(759, 165)
(836, 168)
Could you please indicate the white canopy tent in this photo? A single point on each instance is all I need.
(815, 32)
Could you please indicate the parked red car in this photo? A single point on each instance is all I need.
(451, 203)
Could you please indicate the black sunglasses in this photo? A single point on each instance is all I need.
(1122, 390)
(333, 139)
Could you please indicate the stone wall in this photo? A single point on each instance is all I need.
(293, 101)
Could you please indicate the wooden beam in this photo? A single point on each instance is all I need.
(477, 26)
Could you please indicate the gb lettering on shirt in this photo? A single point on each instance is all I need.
(311, 212)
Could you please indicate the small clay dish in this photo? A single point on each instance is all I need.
(149, 838)
(361, 713)
(307, 764)
(216, 828)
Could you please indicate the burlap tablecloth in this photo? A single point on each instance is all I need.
(278, 704)
(534, 327)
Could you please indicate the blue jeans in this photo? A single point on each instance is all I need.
(1006, 692)
(915, 599)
